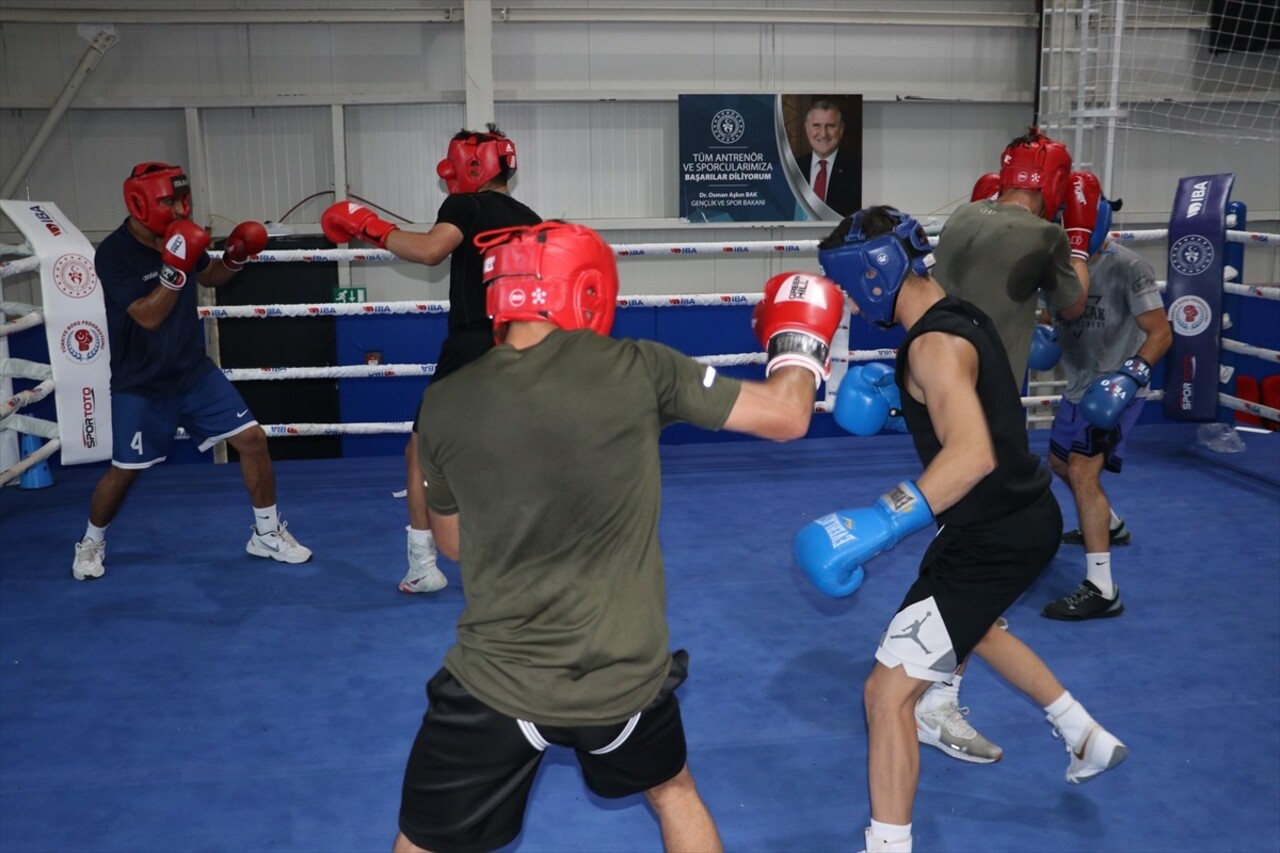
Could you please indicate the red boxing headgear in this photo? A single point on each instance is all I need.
(554, 271)
(146, 185)
(475, 160)
(1036, 162)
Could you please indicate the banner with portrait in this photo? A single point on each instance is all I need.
(761, 158)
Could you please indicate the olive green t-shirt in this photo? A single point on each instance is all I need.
(998, 256)
(550, 457)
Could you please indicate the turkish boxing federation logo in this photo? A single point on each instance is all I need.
(1191, 255)
(74, 275)
(1190, 315)
(83, 341)
(727, 126)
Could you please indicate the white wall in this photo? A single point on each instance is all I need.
(591, 106)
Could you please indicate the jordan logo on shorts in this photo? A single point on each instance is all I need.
(912, 632)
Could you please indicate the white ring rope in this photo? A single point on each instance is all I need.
(1249, 349)
(28, 316)
(31, 426)
(373, 309)
(658, 250)
(383, 371)
(1249, 406)
(21, 265)
(23, 465)
(25, 398)
(25, 369)
(1261, 291)
(1224, 400)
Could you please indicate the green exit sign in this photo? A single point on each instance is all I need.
(350, 294)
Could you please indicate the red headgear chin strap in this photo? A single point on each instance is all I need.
(147, 185)
(554, 271)
(475, 160)
(1037, 163)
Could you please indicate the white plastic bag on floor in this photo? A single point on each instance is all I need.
(1220, 438)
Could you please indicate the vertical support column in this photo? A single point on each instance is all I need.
(1113, 98)
(196, 168)
(201, 205)
(338, 127)
(1084, 44)
(477, 28)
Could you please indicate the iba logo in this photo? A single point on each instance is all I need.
(83, 342)
(73, 275)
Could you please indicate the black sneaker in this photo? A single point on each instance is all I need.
(1085, 603)
(1119, 536)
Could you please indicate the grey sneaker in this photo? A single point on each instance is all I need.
(1119, 536)
(88, 562)
(1100, 752)
(946, 728)
(423, 575)
(279, 545)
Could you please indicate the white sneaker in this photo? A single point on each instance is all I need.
(945, 727)
(279, 544)
(88, 562)
(1100, 752)
(423, 575)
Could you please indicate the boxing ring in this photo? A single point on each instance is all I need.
(197, 698)
(841, 356)
(1040, 404)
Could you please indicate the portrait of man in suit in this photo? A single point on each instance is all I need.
(834, 173)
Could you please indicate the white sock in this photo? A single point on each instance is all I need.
(95, 534)
(1071, 718)
(1116, 520)
(421, 537)
(890, 833)
(1097, 569)
(265, 519)
(940, 693)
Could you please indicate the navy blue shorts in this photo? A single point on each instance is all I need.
(471, 768)
(1071, 433)
(143, 428)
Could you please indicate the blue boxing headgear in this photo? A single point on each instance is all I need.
(871, 270)
(1102, 227)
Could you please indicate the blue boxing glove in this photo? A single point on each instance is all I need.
(868, 401)
(831, 549)
(1108, 396)
(1045, 350)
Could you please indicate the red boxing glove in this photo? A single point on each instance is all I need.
(796, 321)
(246, 240)
(346, 219)
(1081, 213)
(986, 187)
(184, 244)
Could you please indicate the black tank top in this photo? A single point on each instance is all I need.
(474, 213)
(1018, 479)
